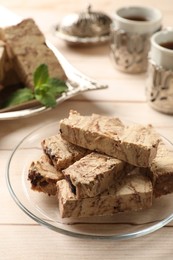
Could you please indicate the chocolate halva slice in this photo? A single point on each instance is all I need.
(162, 171)
(27, 50)
(7, 74)
(43, 176)
(93, 174)
(61, 152)
(2, 60)
(134, 194)
(135, 144)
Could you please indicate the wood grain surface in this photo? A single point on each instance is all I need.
(20, 236)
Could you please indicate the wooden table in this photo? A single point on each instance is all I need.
(21, 237)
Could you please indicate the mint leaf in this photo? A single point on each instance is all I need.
(19, 96)
(57, 86)
(41, 75)
(47, 93)
(42, 89)
(46, 98)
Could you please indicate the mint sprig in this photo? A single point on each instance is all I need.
(46, 89)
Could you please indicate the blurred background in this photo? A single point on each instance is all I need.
(59, 8)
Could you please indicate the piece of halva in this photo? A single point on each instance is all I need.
(43, 176)
(134, 194)
(162, 170)
(27, 50)
(61, 152)
(93, 174)
(135, 144)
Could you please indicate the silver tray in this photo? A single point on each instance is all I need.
(76, 82)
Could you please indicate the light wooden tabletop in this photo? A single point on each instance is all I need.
(21, 237)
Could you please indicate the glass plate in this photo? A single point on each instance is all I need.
(44, 209)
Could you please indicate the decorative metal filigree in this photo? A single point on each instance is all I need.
(130, 51)
(159, 88)
(86, 24)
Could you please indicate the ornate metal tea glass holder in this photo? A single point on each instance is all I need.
(159, 88)
(129, 51)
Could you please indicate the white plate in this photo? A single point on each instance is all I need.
(44, 209)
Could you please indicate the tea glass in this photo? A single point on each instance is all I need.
(130, 37)
(159, 85)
